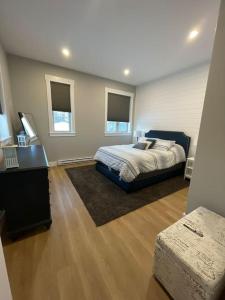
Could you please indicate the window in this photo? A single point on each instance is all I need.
(60, 92)
(62, 121)
(118, 113)
(117, 127)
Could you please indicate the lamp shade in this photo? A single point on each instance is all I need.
(138, 133)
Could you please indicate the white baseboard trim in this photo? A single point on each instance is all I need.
(73, 160)
(52, 163)
(61, 162)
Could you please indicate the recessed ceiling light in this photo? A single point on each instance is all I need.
(193, 34)
(66, 52)
(126, 72)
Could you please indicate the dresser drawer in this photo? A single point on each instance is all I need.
(27, 202)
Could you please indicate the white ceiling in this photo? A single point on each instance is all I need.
(106, 36)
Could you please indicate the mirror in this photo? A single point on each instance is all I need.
(29, 126)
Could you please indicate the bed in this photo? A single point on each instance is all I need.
(144, 178)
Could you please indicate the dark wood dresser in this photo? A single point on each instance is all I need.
(24, 192)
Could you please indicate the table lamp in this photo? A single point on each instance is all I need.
(138, 134)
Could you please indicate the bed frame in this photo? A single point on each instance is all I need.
(147, 179)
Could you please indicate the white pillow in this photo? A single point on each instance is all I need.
(144, 144)
(142, 139)
(163, 144)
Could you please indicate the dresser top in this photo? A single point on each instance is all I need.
(29, 158)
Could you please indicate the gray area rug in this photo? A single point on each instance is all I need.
(105, 201)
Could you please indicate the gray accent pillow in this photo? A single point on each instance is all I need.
(140, 146)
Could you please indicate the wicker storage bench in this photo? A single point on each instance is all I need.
(190, 256)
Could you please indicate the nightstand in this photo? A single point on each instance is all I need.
(189, 167)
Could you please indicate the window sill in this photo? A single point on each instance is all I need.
(62, 133)
(118, 133)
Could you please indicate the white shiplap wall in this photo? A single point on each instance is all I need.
(173, 103)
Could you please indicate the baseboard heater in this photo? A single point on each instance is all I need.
(74, 160)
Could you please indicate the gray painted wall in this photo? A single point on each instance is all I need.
(30, 95)
(208, 181)
(6, 117)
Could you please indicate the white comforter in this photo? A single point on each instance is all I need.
(130, 162)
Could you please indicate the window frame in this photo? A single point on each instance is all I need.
(52, 131)
(130, 126)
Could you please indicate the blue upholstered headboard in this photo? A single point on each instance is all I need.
(180, 137)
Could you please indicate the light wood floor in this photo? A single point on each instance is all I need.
(75, 260)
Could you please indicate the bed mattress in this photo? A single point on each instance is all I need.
(131, 163)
